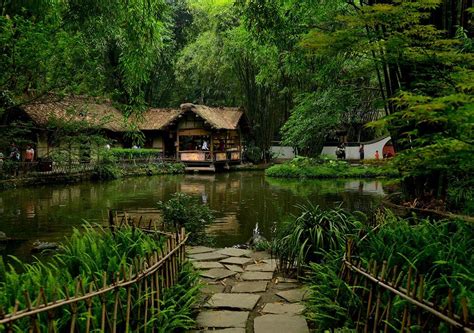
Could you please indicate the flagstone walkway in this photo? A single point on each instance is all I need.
(243, 293)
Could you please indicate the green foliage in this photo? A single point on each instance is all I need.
(330, 297)
(301, 167)
(178, 302)
(85, 255)
(183, 210)
(130, 154)
(313, 232)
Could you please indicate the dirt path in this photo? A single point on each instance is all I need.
(245, 294)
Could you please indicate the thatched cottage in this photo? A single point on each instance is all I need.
(197, 135)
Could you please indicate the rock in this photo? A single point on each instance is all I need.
(252, 276)
(208, 256)
(232, 252)
(212, 289)
(261, 267)
(280, 323)
(285, 280)
(280, 308)
(235, 268)
(236, 260)
(3, 236)
(294, 295)
(250, 287)
(233, 301)
(222, 319)
(217, 273)
(260, 255)
(39, 246)
(206, 264)
(199, 249)
(286, 286)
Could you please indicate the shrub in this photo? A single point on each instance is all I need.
(186, 211)
(253, 154)
(301, 167)
(314, 231)
(130, 154)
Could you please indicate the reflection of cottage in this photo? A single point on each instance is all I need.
(201, 137)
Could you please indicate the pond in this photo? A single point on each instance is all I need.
(240, 201)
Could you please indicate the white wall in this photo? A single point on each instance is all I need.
(352, 153)
(282, 152)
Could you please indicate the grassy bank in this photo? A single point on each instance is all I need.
(92, 255)
(437, 250)
(301, 167)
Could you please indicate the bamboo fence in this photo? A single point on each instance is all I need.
(130, 303)
(394, 300)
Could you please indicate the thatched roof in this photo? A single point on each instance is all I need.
(76, 109)
(157, 119)
(219, 118)
(103, 114)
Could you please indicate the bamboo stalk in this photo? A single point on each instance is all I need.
(116, 302)
(129, 301)
(89, 310)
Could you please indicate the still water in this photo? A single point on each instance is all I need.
(240, 200)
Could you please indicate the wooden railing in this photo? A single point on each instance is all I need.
(130, 303)
(379, 287)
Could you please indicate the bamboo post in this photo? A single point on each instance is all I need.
(129, 299)
(89, 310)
(377, 306)
(116, 302)
(103, 305)
(369, 302)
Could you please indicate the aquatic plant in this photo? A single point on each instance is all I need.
(183, 210)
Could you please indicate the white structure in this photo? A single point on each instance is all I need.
(352, 150)
(282, 152)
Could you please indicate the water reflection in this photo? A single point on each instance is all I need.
(240, 200)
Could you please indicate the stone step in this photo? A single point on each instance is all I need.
(294, 295)
(217, 273)
(254, 276)
(232, 252)
(207, 264)
(250, 287)
(236, 260)
(222, 319)
(232, 301)
(280, 323)
(208, 256)
(280, 308)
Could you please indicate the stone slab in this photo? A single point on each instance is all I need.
(212, 288)
(199, 249)
(294, 295)
(261, 267)
(207, 264)
(286, 286)
(217, 273)
(250, 287)
(254, 276)
(280, 308)
(280, 323)
(232, 301)
(260, 255)
(224, 330)
(236, 260)
(235, 268)
(232, 252)
(285, 280)
(208, 256)
(222, 319)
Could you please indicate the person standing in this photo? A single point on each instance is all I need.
(29, 154)
(361, 152)
(377, 155)
(14, 153)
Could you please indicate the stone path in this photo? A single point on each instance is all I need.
(243, 293)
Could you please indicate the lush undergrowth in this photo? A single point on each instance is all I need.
(111, 171)
(301, 167)
(85, 256)
(438, 250)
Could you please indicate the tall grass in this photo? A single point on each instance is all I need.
(314, 231)
(85, 256)
(441, 251)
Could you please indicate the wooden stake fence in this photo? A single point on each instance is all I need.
(389, 306)
(129, 304)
